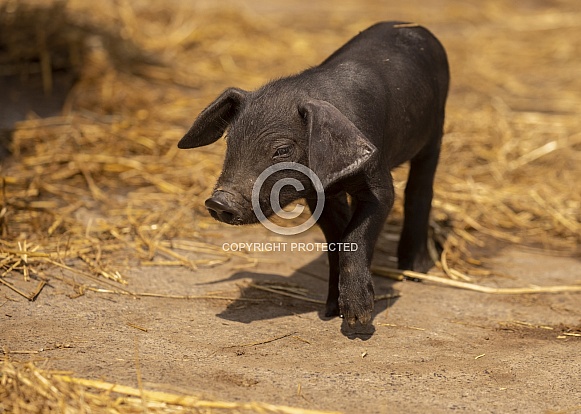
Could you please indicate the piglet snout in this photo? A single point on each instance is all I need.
(222, 208)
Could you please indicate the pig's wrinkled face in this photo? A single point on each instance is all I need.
(279, 125)
(266, 131)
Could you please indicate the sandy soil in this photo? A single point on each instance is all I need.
(433, 349)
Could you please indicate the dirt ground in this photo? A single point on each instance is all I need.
(432, 348)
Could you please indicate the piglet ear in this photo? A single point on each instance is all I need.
(337, 148)
(213, 121)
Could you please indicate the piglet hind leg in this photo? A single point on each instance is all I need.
(356, 292)
(413, 251)
(333, 222)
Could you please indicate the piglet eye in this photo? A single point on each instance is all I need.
(282, 152)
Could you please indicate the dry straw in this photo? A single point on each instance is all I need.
(28, 389)
(103, 187)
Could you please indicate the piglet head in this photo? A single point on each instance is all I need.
(271, 136)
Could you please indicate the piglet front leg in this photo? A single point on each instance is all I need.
(356, 293)
(333, 221)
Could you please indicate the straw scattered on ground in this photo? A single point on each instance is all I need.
(25, 387)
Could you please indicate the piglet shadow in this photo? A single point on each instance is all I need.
(269, 296)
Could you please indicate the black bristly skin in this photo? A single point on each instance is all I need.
(374, 104)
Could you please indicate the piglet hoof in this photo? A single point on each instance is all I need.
(357, 306)
(363, 332)
(332, 308)
(421, 263)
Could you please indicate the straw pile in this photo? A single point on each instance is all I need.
(510, 168)
(103, 186)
